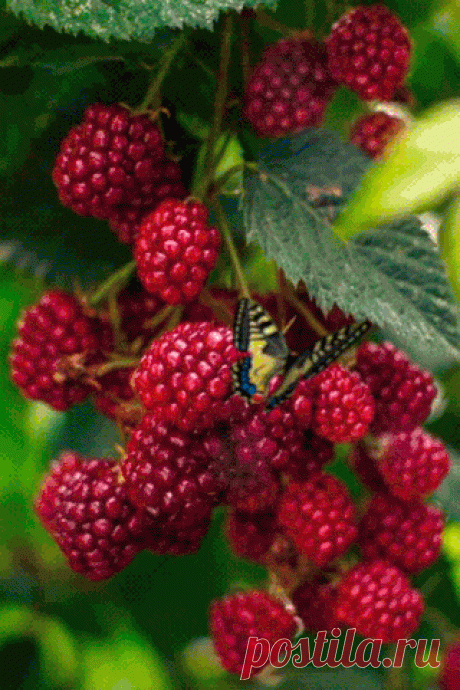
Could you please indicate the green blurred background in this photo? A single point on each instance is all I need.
(142, 629)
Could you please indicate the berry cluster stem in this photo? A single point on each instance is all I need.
(151, 99)
(113, 284)
(219, 106)
(226, 232)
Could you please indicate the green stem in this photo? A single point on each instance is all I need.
(125, 363)
(231, 248)
(228, 174)
(219, 106)
(151, 97)
(115, 282)
(266, 20)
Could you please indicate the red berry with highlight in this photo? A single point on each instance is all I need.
(372, 133)
(185, 375)
(56, 339)
(86, 510)
(176, 250)
(413, 464)
(107, 161)
(289, 89)
(403, 392)
(369, 51)
(377, 599)
(319, 517)
(167, 473)
(407, 534)
(343, 405)
(166, 182)
(236, 618)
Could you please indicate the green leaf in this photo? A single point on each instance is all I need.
(391, 274)
(448, 494)
(342, 679)
(125, 662)
(125, 19)
(421, 169)
(450, 244)
(446, 21)
(58, 652)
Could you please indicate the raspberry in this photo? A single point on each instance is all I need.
(186, 374)
(450, 674)
(166, 182)
(343, 405)
(403, 392)
(413, 464)
(87, 512)
(175, 250)
(251, 536)
(242, 453)
(289, 89)
(236, 618)
(372, 133)
(318, 516)
(166, 473)
(408, 535)
(177, 542)
(108, 161)
(369, 51)
(314, 602)
(365, 467)
(56, 340)
(378, 600)
(116, 391)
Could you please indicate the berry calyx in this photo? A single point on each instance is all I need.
(343, 405)
(402, 392)
(289, 89)
(407, 534)
(176, 250)
(56, 339)
(236, 618)
(377, 599)
(185, 375)
(372, 133)
(319, 517)
(86, 510)
(369, 51)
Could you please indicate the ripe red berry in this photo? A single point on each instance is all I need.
(372, 133)
(413, 464)
(403, 392)
(236, 618)
(377, 599)
(166, 182)
(450, 674)
(289, 89)
(167, 473)
(176, 250)
(56, 340)
(407, 534)
(251, 536)
(343, 405)
(108, 161)
(170, 540)
(86, 510)
(319, 517)
(185, 375)
(315, 601)
(114, 395)
(369, 51)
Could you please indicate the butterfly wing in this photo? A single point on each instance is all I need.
(255, 332)
(313, 361)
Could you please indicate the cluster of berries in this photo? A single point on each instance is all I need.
(368, 51)
(194, 444)
(164, 374)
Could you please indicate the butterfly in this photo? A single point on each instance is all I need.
(254, 331)
(313, 361)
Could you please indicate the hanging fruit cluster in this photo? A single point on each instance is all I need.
(157, 355)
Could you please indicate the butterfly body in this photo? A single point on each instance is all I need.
(255, 332)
